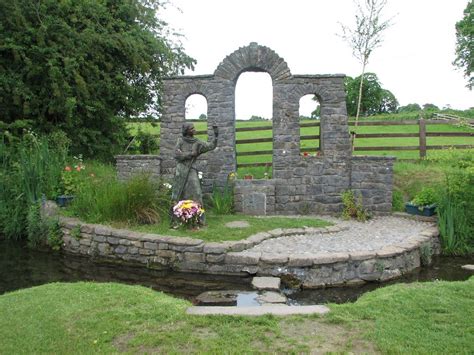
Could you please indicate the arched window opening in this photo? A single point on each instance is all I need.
(309, 115)
(254, 108)
(196, 110)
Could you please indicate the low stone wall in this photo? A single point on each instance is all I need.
(129, 165)
(230, 258)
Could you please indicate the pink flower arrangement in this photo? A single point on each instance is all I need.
(188, 212)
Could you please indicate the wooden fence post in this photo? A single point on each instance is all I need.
(422, 132)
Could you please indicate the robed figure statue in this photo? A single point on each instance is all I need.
(186, 184)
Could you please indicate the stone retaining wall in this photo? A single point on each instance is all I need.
(129, 165)
(229, 258)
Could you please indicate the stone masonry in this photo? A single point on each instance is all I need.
(300, 184)
(309, 270)
(129, 165)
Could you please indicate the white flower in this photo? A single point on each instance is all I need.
(168, 186)
(200, 175)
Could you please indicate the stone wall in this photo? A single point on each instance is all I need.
(300, 184)
(372, 178)
(230, 258)
(254, 197)
(129, 165)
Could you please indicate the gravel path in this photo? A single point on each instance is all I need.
(357, 236)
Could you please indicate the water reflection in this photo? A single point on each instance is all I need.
(21, 267)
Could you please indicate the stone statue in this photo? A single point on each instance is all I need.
(186, 184)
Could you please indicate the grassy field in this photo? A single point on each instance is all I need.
(359, 142)
(60, 318)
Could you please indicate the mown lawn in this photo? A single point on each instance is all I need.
(424, 318)
(217, 231)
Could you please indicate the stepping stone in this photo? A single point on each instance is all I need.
(278, 310)
(217, 298)
(266, 283)
(271, 297)
(237, 224)
(468, 267)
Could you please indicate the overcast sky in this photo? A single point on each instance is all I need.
(414, 61)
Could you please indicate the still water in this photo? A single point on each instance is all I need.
(21, 267)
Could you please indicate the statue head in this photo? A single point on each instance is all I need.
(187, 129)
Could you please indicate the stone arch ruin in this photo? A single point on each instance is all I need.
(299, 184)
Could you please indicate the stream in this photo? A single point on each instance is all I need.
(21, 267)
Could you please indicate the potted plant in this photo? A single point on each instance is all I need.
(423, 204)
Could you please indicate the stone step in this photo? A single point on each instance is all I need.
(277, 310)
(266, 283)
(468, 267)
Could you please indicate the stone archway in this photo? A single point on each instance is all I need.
(297, 183)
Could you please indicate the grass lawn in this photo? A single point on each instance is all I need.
(216, 231)
(429, 318)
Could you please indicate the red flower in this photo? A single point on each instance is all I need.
(68, 168)
(78, 168)
(305, 154)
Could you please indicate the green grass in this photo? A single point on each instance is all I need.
(415, 318)
(428, 318)
(216, 231)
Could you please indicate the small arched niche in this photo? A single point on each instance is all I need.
(309, 116)
(196, 111)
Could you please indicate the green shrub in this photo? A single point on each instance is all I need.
(353, 207)
(30, 167)
(426, 197)
(222, 200)
(55, 234)
(398, 204)
(137, 201)
(36, 226)
(456, 211)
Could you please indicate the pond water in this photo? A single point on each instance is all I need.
(21, 267)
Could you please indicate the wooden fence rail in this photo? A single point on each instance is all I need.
(422, 134)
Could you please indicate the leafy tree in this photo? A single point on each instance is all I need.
(365, 36)
(375, 99)
(433, 107)
(388, 102)
(83, 66)
(257, 118)
(465, 44)
(203, 116)
(410, 108)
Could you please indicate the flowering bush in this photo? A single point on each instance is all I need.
(188, 212)
(72, 177)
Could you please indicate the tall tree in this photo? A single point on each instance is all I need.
(83, 66)
(366, 35)
(375, 99)
(465, 44)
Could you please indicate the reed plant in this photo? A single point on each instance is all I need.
(30, 169)
(222, 200)
(141, 200)
(456, 212)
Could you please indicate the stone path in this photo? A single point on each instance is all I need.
(279, 310)
(350, 236)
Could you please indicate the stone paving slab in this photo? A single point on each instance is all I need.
(266, 283)
(468, 267)
(277, 310)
